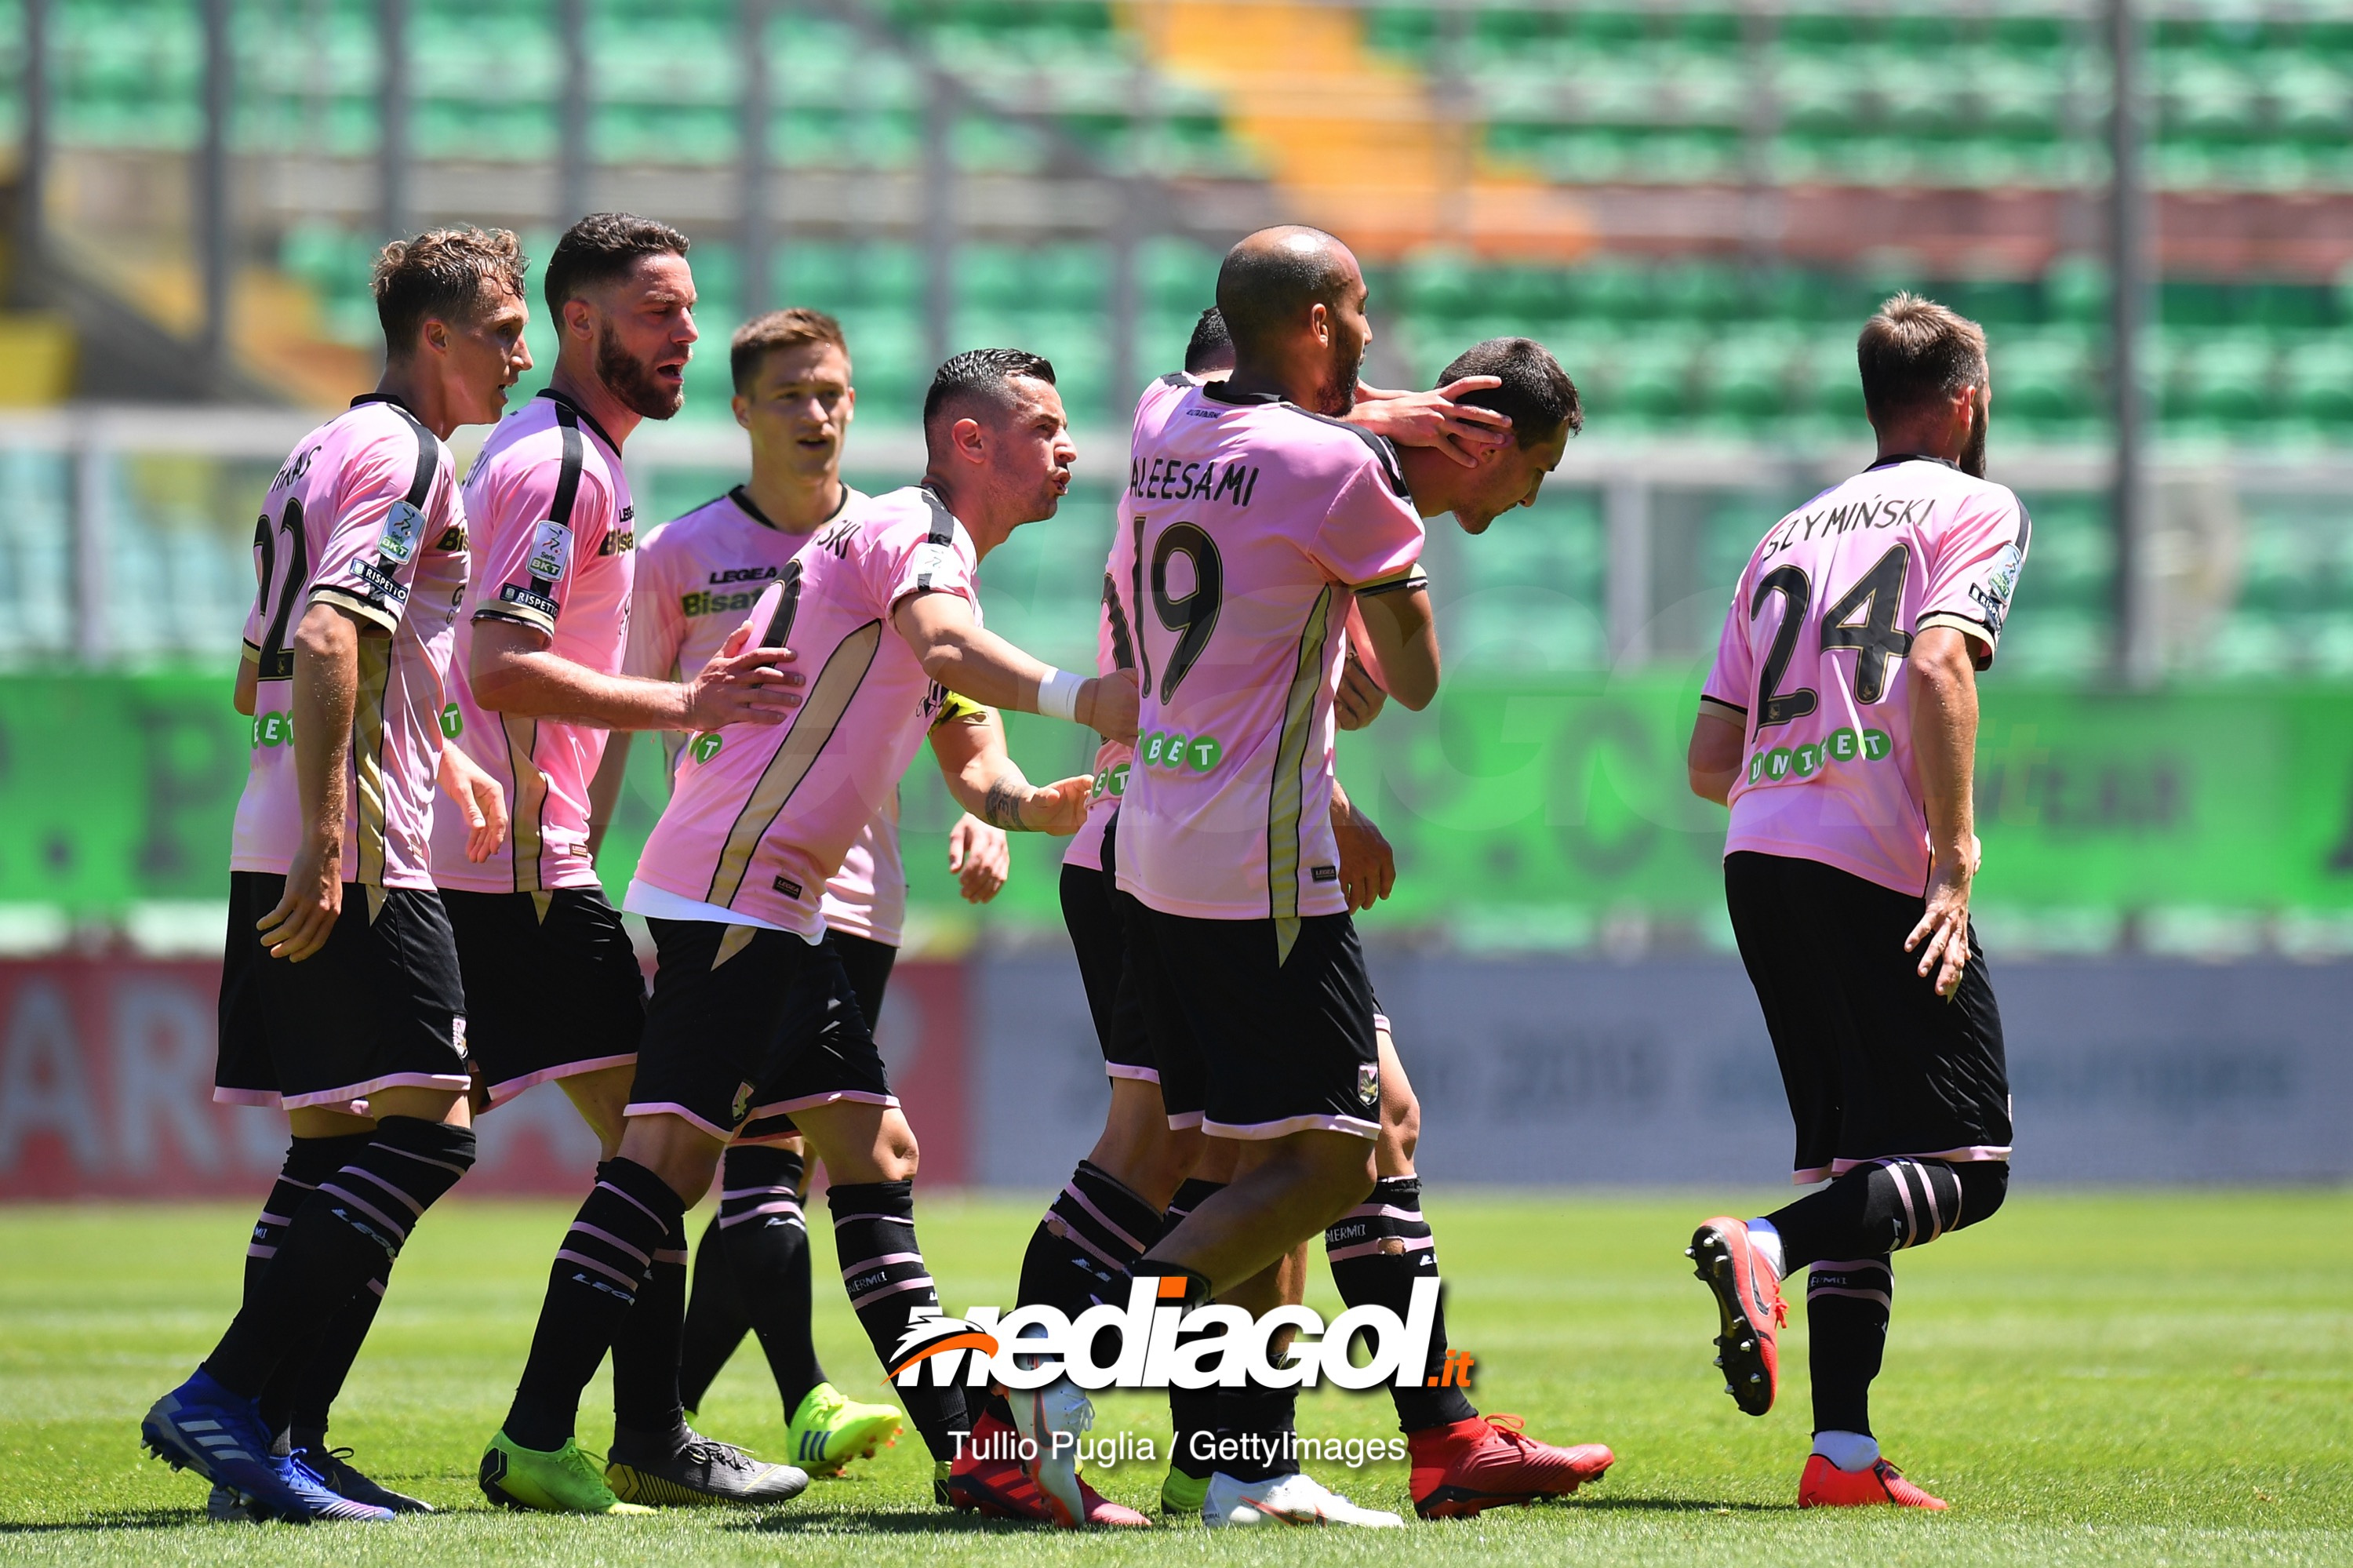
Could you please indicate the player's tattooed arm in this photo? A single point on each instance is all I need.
(986, 782)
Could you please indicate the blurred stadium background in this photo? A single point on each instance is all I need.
(2148, 203)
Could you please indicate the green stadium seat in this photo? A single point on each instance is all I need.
(2317, 384)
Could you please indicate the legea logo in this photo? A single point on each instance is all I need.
(1223, 1347)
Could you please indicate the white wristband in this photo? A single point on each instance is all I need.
(1058, 695)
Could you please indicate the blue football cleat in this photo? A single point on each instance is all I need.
(204, 1427)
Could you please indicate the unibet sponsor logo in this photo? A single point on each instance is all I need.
(1164, 748)
(706, 747)
(273, 729)
(1111, 781)
(1805, 761)
(1225, 1346)
(453, 723)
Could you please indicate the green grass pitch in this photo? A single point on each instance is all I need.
(2090, 1377)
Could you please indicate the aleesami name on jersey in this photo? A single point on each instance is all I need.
(364, 516)
(1255, 523)
(698, 577)
(1115, 636)
(1812, 658)
(554, 549)
(761, 815)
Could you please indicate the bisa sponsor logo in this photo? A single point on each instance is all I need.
(1222, 1346)
(1784, 762)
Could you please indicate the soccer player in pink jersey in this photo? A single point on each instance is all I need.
(750, 1009)
(339, 994)
(551, 977)
(698, 577)
(1840, 724)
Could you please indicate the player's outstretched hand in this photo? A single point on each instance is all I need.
(981, 857)
(480, 797)
(1460, 430)
(1360, 699)
(1942, 936)
(1108, 705)
(1367, 863)
(742, 685)
(305, 915)
(1059, 808)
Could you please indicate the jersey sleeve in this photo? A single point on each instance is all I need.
(911, 563)
(1973, 572)
(368, 559)
(1372, 536)
(534, 556)
(657, 623)
(1732, 679)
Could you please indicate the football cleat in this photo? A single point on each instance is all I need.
(1748, 1301)
(1051, 1420)
(561, 1481)
(1488, 1461)
(829, 1430)
(1183, 1494)
(202, 1427)
(334, 1466)
(1824, 1485)
(222, 1506)
(1285, 1499)
(1001, 1487)
(652, 1468)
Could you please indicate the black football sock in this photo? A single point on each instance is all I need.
(646, 1346)
(1847, 1306)
(765, 1238)
(1082, 1251)
(339, 1237)
(1376, 1251)
(882, 1269)
(1192, 1413)
(629, 1215)
(1887, 1205)
(320, 1378)
(309, 1161)
(715, 1320)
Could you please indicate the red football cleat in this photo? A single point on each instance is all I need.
(1748, 1299)
(1824, 1485)
(989, 1478)
(1488, 1461)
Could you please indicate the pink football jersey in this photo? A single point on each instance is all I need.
(364, 516)
(1811, 661)
(1115, 645)
(760, 816)
(698, 578)
(1255, 525)
(555, 546)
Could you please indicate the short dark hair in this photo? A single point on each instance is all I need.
(1264, 288)
(1536, 392)
(1211, 346)
(1916, 350)
(763, 336)
(983, 375)
(444, 273)
(600, 249)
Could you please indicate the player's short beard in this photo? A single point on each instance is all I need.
(632, 380)
(1338, 394)
(1973, 455)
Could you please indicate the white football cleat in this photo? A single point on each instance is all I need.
(1044, 1414)
(1285, 1499)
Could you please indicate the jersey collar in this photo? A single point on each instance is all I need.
(383, 398)
(741, 496)
(553, 396)
(1216, 392)
(1911, 457)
